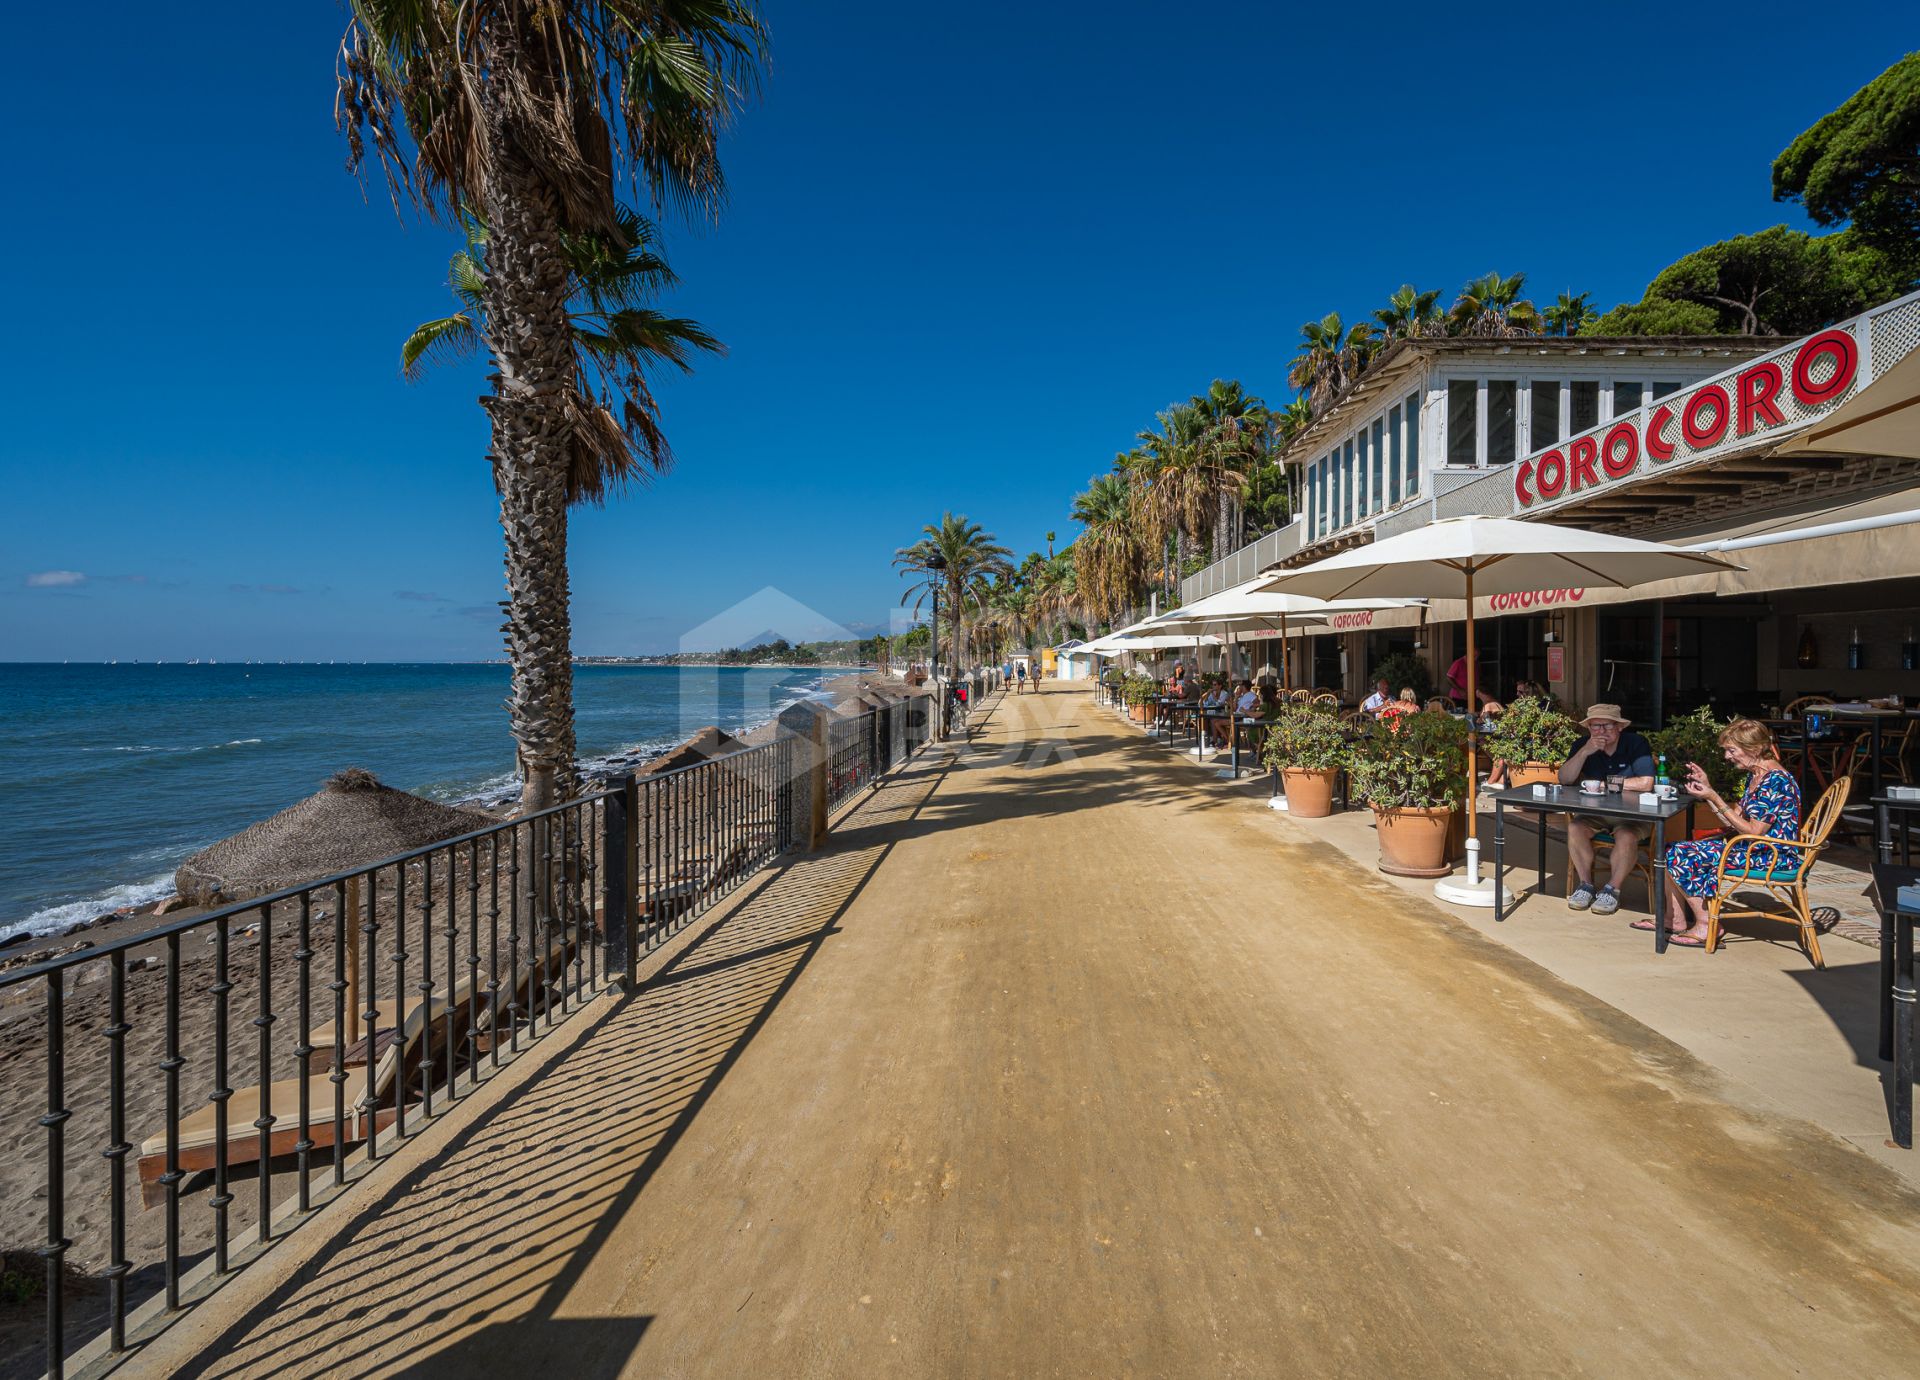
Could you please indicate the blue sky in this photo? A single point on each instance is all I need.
(970, 251)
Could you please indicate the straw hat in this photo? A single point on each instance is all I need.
(1609, 713)
(353, 819)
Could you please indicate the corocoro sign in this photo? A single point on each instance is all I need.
(1534, 599)
(1342, 621)
(1721, 412)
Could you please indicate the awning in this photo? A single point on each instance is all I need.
(1881, 419)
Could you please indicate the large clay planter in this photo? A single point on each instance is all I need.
(1413, 842)
(1309, 791)
(1457, 836)
(1533, 774)
(1140, 713)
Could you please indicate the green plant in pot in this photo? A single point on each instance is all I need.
(1695, 737)
(1401, 671)
(1140, 692)
(1533, 738)
(1309, 746)
(1413, 772)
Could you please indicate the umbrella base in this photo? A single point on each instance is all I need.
(1464, 891)
(1276, 802)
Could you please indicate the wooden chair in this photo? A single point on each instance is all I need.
(1440, 704)
(1300, 696)
(1761, 866)
(1325, 699)
(1795, 708)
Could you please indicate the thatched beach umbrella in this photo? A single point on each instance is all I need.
(350, 821)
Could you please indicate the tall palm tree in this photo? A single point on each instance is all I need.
(533, 113)
(1111, 558)
(1290, 421)
(618, 340)
(970, 555)
(1237, 438)
(1409, 314)
(1492, 305)
(1570, 314)
(1173, 489)
(1332, 355)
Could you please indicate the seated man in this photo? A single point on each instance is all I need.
(1378, 700)
(1607, 750)
(1248, 699)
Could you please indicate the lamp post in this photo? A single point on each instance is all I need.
(937, 567)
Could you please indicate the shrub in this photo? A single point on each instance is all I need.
(1695, 737)
(1532, 730)
(1402, 669)
(1140, 689)
(1303, 736)
(1416, 761)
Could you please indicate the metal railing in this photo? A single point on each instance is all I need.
(405, 981)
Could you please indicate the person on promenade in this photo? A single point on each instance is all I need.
(1379, 699)
(1608, 750)
(1769, 807)
(1006, 671)
(1020, 675)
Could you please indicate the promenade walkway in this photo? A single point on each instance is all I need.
(1058, 1063)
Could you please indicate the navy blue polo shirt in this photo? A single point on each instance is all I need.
(1632, 757)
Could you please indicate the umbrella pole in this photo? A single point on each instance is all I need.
(1473, 739)
(350, 918)
(1286, 659)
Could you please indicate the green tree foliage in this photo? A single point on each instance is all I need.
(1861, 164)
(1778, 282)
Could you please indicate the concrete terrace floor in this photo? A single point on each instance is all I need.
(1065, 1059)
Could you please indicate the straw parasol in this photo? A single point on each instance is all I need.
(350, 821)
(705, 744)
(1468, 557)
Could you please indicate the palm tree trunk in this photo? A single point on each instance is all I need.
(529, 338)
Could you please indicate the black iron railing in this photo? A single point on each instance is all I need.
(405, 982)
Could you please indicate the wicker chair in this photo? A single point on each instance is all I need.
(1761, 866)
(1440, 704)
(1795, 708)
(1325, 699)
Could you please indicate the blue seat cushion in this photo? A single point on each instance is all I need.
(1779, 874)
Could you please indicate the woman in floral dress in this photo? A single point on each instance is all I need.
(1769, 807)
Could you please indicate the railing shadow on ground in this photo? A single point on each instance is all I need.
(468, 1256)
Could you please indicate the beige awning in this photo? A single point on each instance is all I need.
(1881, 419)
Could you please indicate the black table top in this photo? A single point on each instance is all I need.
(1610, 805)
(1895, 802)
(1888, 878)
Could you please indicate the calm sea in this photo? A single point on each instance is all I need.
(110, 775)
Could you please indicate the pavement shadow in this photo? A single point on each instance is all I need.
(464, 1265)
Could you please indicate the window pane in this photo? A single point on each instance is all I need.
(1546, 414)
(1413, 444)
(1626, 397)
(1346, 484)
(1362, 493)
(1500, 421)
(1394, 480)
(1379, 464)
(1463, 402)
(1584, 405)
(1665, 390)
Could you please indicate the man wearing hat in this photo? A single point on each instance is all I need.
(1607, 750)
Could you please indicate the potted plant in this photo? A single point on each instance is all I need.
(1404, 671)
(1140, 692)
(1695, 737)
(1309, 746)
(1533, 737)
(1413, 772)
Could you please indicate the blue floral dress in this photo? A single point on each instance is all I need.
(1774, 799)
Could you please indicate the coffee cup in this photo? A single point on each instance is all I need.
(1668, 791)
(1593, 788)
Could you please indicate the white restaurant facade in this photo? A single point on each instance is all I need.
(1798, 454)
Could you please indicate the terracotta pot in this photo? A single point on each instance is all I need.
(1413, 842)
(1140, 713)
(1309, 791)
(1533, 774)
(1457, 836)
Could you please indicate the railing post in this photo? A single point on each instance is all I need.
(805, 728)
(617, 842)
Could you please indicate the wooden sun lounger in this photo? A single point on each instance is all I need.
(684, 887)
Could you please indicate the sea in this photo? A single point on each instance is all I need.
(111, 775)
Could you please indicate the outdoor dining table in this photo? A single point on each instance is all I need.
(1571, 800)
(1897, 990)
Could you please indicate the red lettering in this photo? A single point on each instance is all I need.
(1520, 478)
(1658, 446)
(1613, 459)
(1552, 463)
(1700, 434)
(1584, 453)
(1838, 346)
(1757, 388)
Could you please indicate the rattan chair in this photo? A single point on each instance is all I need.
(1797, 707)
(1440, 704)
(1761, 866)
(1325, 699)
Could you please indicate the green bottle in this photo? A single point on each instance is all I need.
(1660, 782)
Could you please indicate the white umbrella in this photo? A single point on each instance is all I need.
(1465, 557)
(1251, 605)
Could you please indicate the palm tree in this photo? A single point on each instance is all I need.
(1492, 305)
(1173, 489)
(970, 555)
(1570, 314)
(617, 340)
(1409, 314)
(1237, 437)
(523, 110)
(1111, 559)
(1332, 355)
(1290, 421)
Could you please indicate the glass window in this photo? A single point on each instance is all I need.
(1394, 479)
(1626, 397)
(1584, 405)
(1665, 389)
(1346, 484)
(1379, 464)
(1318, 489)
(1413, 444)
(1463, 416)
(1500, 420)
(1546, 414)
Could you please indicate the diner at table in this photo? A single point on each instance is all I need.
(1624, 761)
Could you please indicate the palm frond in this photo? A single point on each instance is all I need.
(435, 342)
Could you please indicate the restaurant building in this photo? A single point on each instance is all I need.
(1797, 458)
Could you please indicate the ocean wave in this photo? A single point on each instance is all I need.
(204, 747)
(59, 918)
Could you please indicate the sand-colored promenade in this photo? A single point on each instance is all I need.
(1064, 1060)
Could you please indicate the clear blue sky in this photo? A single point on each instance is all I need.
(971, 250)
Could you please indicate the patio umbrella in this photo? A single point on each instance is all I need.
(1250, 605)
(351, 820)
(1469, 557)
